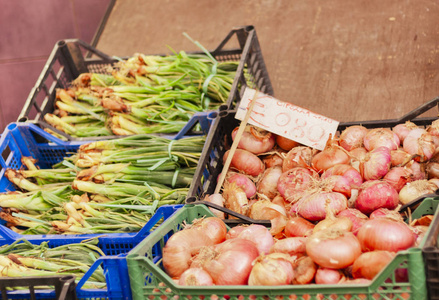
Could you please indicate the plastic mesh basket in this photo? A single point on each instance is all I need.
(69, 59)
(149, 281)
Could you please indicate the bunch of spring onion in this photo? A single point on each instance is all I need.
(143, 94)
(23, 258)
(107, 186)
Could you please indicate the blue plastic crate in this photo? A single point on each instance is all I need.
(115, 246)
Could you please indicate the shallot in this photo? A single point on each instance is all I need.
(420, 142)
(255, 140)
(352, 137)
(267, 184)
(369, 264)
(415, 189)
(381, 137)
(375, 194)
(376, 164)
(246, 162)
(272, 269)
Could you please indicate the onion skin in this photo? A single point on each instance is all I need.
(432, 170)
(352, 137)
(386, 213)
(402, 130)
(242, 181)
(398, 157)
(298, 227)
(214, 227)
(369, 264)
(273, 160)
(419, 141)
(254, 141)
(385, 234)
(293, 183)
(235, 198)
(218, 200)
(180, 248)
(381, 137)
(340, 184)
(245, 162)
(297, 157)
(304, 270)
(376, 164)
(312, 207)
(376, 194)
(333, 249)
(415, 189)
(271, 270)
(235, 231)
(267, 184)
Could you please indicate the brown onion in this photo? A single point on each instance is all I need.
(304, 270)
(195, 277)
(432, 170)
(381, 137)
(333, 249)
(385, 234)
(285, 143)
(273, 269)
(415, 189)
(352, 137)
(235, 198)
(399, 157)
(369, 264)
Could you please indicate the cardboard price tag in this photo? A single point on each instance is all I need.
(288, 120)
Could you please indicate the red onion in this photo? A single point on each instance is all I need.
(298, 157)
(290, 246)
(259, 235)
(273, 269)
(420, 142)
(376, 164)
(339, 184)
(231, 262)
(352, 137)
(267, 184)
(245, 162)
(330, 156)
(357, 218)
(195, 277)
(328, 276)
(369, 264)
(347, 171)
(375, 194)
(255, 140)
(242, 181)
(293, 183)
(381, 137)
(298, 227)
(333, 249)
(402, 130)
(385, 234)
(312, 207)
(398, 177)
(285, 143)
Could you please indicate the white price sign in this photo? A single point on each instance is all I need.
(286, 119)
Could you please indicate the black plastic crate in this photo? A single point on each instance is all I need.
(71, 57)
(219, 141)
(39, 287)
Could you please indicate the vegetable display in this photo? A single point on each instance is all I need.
(142, 94)
(106, 186)
(344, 199)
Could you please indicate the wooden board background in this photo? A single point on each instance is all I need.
(348, 60)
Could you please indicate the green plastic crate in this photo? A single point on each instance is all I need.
(148, 280)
